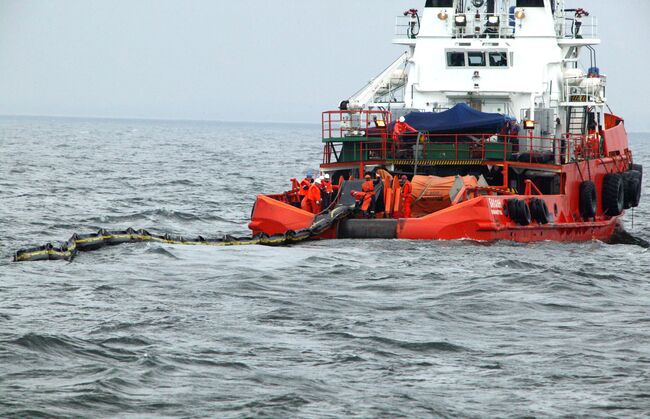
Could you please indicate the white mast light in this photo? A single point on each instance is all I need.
(520, 14)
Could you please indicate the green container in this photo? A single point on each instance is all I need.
(352, 152)
(498, 151)
(437, 151)
(351, 148)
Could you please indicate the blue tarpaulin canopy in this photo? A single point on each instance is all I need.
(459, 119)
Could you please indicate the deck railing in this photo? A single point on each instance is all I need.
(499, 25)
(467, 148)
(354, 124)
(585, 89)
(568, 26)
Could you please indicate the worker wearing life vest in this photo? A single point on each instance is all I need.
(407, 199)
(366, 195)
(305, 184)
(400, 128)
(327, 182)
(327, 191)
(312, 201)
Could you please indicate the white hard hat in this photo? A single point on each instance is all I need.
(317, 182)
(402, 119)
(327, 176)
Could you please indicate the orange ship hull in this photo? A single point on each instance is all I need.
(482, 213)
(481, 219)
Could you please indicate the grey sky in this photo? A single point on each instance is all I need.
(280, 60)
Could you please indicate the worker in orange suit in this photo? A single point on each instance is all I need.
(312, 201)
(327, 182)
(366, 195)
(400, 128)
(304, 185)
(407, 199)
(327, 191)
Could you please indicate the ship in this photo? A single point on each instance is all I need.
(512, 136)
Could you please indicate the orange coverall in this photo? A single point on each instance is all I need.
(311, 201)
(328, 186)
(303, 191)
(400, 128)
(407, 199)
(366, 194)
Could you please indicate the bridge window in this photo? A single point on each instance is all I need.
(456, 59)
(498, 59)
(476, 59)
(439, 3)
(530, 3)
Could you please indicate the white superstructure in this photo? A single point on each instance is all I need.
(515, 57)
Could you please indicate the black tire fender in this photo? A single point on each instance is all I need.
(519, 211)
(633, 188)
(613, 194)
(588, 199)
(525, 217)
(539, 211)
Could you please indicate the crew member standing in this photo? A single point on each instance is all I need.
(407, 199)
(327, 191)
(312, 201)
(304, 185)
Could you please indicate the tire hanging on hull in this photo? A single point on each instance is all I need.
(539, 211)
(632, 186)
(613, 194)
(519, 211)
(588, 200)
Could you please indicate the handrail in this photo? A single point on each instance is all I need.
(568, 26)
(474, 21)
(483, 148)
(354, 123)
(530, 187)
(585, 89)
(363, 135)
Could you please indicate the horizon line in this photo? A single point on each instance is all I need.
(163, 119)
(158, 119)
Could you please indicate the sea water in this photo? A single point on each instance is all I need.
(324, 329)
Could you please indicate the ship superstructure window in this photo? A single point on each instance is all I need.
(456, 59)
(439, 3)
(476, 59)
(491, 59)
(498, 59)
(530, 3)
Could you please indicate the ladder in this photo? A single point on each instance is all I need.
(577, 120)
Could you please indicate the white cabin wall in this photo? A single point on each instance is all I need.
(432, 26)
(528, 71)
